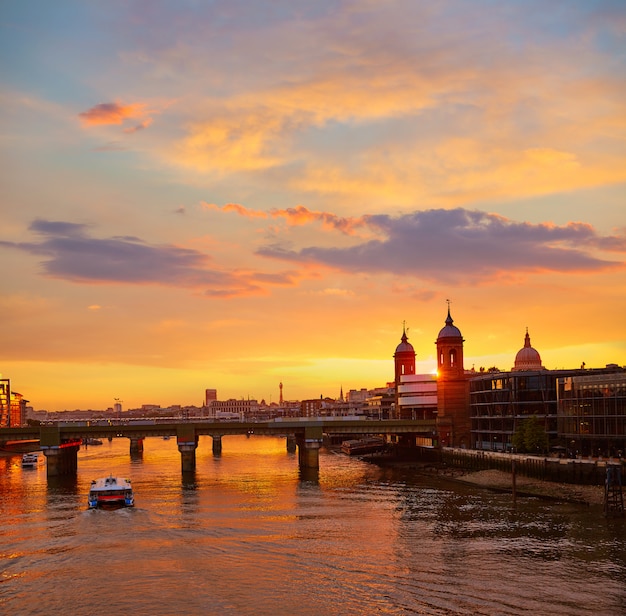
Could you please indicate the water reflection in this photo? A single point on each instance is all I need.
(249, 533)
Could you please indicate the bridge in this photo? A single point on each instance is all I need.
(60, 442)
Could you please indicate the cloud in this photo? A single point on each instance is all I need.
(111, 113)
(234, 207)
(445, 104)
(295, 216)
(71, 254)
(463, 246)
(138, 127)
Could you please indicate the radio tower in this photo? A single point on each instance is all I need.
(280, 385)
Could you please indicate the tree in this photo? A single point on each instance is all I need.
(536, 438)
(530, 436)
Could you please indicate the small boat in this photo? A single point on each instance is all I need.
(92, 441)
(363, 446)
(30, 460)
(111, 491)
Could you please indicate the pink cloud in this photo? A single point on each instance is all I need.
(295, 216)
(234, 207)
(114, 113)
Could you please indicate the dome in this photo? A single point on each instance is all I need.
(405, 346)
(449, 331)
(528, 358)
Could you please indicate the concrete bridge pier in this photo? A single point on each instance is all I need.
(291, 443)
(187, 445)
(187, 456)
(61, 460)
(217, 444)
(309, 448)
(136, 445)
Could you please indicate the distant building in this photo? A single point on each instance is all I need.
(209, 396)
(234, 409)
(527, 357)
(12, 406)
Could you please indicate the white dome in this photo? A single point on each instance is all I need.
(528, 358)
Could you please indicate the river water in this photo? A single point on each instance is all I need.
(247, 534)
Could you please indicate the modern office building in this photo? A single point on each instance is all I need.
(581, 410)
(591, 412)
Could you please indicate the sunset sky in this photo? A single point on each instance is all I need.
(233, 194)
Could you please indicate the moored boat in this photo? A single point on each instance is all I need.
(111, 491)
(362, 446)
(92, 441)
(30, 460)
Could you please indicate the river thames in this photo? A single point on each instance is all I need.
(247, 534)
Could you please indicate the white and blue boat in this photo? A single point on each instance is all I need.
(111, 491)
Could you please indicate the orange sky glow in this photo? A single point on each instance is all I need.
(217, 195)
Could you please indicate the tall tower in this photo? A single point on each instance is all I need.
(280, 401)
(404, 362)
(404, 357)
(453, 417)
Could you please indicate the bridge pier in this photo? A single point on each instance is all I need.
(309, 448)
(61, 460)
(136, 445)
(217, 444)
(187, 456)
(187, 445)
(291, 443)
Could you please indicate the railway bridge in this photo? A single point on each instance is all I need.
(60, 442)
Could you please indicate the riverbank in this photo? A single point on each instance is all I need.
(527, 486)
(502, 481)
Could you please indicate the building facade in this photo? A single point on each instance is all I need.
(583, 411)
(591, 412)
(12, 406)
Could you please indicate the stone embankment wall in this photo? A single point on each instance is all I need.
(562, 470)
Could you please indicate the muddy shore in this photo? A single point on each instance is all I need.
(503, 482)
(527, 486)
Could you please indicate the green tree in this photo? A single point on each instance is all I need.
(518, 440)
(530, 436)
(536, 437)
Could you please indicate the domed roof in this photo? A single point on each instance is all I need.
(449, 331)
(528, 358)
(405, 346)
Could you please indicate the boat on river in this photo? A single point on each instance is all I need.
(30, 460)
(92, 441)
(111, 491)
(362, 446)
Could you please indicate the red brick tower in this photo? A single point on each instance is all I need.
(453, 417)
(404, 361)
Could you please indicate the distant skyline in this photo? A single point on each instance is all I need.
(231, 195)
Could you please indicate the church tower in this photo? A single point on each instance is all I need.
(453, 417)
(404, 362)
(404, 358)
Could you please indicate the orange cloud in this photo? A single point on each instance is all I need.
(113, 113)
(295, 216)
(234, 207)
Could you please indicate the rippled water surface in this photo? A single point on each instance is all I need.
(247, 534)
